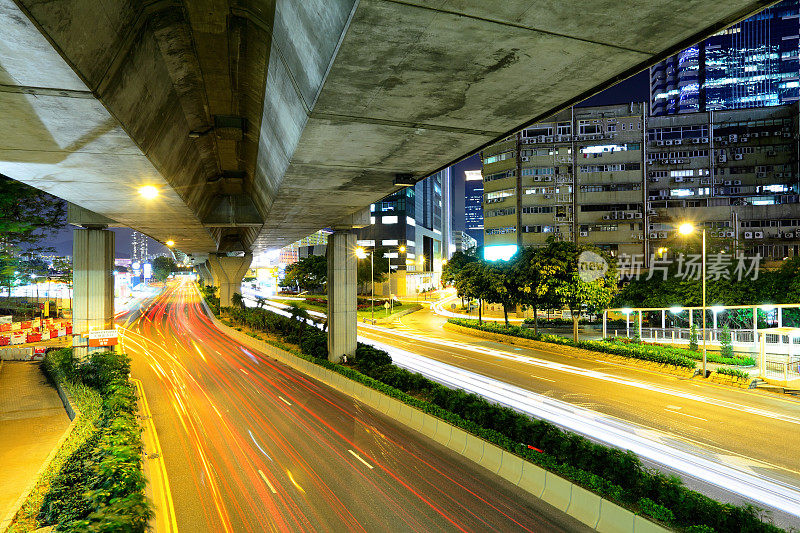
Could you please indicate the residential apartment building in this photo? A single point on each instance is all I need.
(751, 64)
(616, 178)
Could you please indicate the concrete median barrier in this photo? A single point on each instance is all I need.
(511, 467)
(557, 491)
(584, 505)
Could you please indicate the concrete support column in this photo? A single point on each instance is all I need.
(93, 280)
(205, 274)
(228, 273)
(342, 319)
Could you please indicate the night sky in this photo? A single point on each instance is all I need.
(634, 89)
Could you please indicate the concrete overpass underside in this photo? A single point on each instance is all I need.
(263, 121)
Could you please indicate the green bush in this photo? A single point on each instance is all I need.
(693, 338)
(658, 512)
(735, 372)
(101, 486)
(726, 349)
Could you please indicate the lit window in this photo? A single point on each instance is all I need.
(410, 221)
(366, 243)
(372, 220)
(389, 219)
(389, 242)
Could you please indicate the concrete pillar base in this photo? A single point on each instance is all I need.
(228, 273)
(342, 318)
(93, 280)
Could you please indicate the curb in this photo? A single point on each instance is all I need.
(581, 504)
(572, 351)
(74, 415)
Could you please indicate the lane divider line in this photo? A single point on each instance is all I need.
(160, 481)
(354, 454)
(284, 400)
(260, 473)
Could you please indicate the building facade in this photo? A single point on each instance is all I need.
(621, 180)
(473, 209)
(139, 247)
(408, 225)
(751, 64)
(463, 242)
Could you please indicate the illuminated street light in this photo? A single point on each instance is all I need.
(675, 310)
(687, 229)
(170, 243)
(627, 312)
(148, 192)
(361, 254)
(402, 249)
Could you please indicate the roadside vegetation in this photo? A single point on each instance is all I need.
(621, 346)
(96, 483)
(614, 474)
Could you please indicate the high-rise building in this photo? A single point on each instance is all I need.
(412, 218)
(617, 178)
(751, 64)
(473, 210)
(139, 242)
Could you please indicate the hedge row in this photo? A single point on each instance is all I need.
(713, 357)
(616, 475)
(644, 352)
(735, 372)
(101, 486)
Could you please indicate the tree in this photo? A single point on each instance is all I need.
(726, 349)
(456, 263)
(693, 338)
(533, 275)
(237, 300)
(308, 274)
(499, 286)
(162, 267)
(27, 216)
(576, 291)
(473, 282)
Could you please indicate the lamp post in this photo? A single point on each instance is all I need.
(361, 254)
(627, 321)
(400, 250)
(686, 229)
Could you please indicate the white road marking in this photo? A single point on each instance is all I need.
(284, 400)
(267, 482)
(540, 377)
(245, 371)
(684, 414)
(354, 454)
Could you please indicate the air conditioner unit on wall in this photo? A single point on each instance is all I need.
(654, 235)
(584, 234)
(758, 235)
(729, 234)
(748, 234)
(525, 158)
(737, 157)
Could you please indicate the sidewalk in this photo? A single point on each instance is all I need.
(32, 420)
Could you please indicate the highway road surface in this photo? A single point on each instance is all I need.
(252, 445)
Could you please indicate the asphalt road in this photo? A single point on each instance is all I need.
(752, 431)
(252, 445)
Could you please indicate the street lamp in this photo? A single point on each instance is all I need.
(401, 250)
(361, 254)
(687, 229)
(627, 312)
(148, 192)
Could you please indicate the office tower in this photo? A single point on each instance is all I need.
(139, 242)
(473, 211)
(616, 178)
(751, 64)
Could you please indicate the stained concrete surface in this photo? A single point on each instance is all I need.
(32, 420)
